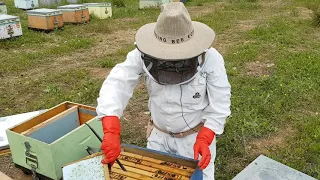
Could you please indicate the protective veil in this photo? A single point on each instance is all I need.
(170, 72)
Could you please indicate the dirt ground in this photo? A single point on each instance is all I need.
(8, 168)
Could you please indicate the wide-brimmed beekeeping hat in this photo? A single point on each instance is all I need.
(174, 36)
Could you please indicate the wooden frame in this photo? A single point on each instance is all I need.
(143, 164)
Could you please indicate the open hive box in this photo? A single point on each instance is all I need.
(140, 163)
(56, 137)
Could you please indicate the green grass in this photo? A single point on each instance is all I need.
(37, 73)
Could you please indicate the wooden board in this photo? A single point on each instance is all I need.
(4, 177)
(106, 170)
(4, 152)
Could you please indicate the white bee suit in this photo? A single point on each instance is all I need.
(174, 108)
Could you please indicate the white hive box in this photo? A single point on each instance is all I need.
(72, 1)
(152, 3)
(9, 26)
(49, 2)
(26, 4)
(101, 10)
(3, 8)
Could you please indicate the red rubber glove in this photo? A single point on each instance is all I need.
(203, 141)
(111, 140)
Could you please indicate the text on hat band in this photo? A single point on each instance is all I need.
(174, 40)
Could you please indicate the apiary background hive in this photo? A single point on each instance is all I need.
(9, 26)
(49, 2)
(75, 13)
(45, 19)
(152, 3)
(101, 10)
(26, 4)
(3, 8)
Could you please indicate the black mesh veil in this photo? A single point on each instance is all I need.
(170, 72)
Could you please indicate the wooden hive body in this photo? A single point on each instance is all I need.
(54, 138)
(140, 163)
(75, 13)
(9, 26)
(26, 4)
(3, 8)
(100, 10)
(45, 19)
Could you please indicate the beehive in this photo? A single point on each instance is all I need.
(26, 4)
(56, 137)
(3, 8)
(75, 13)
(152, 3)
(49, 2)
(100, 10)
(72, 1)
(140, 163)
(45, 19)
(9, 26)
(155, 3)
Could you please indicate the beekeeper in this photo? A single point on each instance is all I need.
(189, 92)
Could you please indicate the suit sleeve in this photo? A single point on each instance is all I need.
(118, 87)
(219, 93)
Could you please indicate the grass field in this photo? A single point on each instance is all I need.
(272, 54)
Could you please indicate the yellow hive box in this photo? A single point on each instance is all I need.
(101, 10)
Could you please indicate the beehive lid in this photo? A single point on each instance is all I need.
(264, 168)
(2, 3)
(44, 11)
(103, 4)
(72, 7)
(7, 17)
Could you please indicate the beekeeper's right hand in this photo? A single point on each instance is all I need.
(111, 140)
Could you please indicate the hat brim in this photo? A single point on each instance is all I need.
(147, 43)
